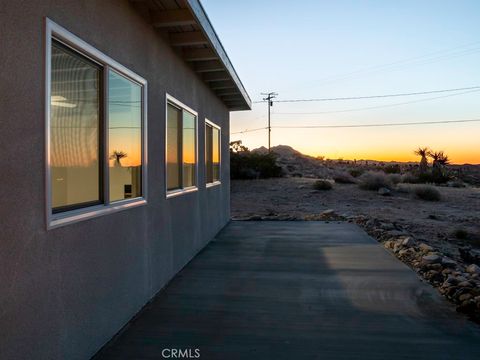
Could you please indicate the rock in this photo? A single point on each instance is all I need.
(473, 269)
(328, 212)
(425, 247)
(389, 244)
(451, 281)
(397, 233)
(384, 191)
(464, 284)
(431, 259)
(408, 241)
(397, 248)
(404, 252)
(447, 262)
(387, 226)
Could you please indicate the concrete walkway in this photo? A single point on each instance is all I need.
(297, 290)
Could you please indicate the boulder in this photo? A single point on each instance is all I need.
(431, 259)
(473, 269)
(408, 241)
(425, 247)
(447, 262)
(387, 226)
(398, 233)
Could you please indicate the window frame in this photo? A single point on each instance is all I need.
(54, 32)
(169, 99)
(219, 128)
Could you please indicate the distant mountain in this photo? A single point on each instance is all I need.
(294, 163)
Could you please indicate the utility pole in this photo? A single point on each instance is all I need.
(269, 98)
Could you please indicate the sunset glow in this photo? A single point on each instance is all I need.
(344, 49)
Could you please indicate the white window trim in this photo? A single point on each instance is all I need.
(176, 192)
(216, 182)
(55, 31)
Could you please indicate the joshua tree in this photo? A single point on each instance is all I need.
(423, 153)
(439, 158)
(117, 156)
(440, 161)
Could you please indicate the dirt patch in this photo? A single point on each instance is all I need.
(448, 224)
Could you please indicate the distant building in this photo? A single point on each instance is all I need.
(114, 167)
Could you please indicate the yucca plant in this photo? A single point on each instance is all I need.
(440, 161)
(423, 153)
(117, 156)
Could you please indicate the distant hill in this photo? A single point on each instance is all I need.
(294, 163)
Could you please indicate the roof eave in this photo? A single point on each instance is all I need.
(206, 26)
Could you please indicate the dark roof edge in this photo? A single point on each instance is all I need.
(206, 26)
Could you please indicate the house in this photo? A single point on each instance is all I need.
(115, 163)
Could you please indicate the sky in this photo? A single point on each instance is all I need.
(324, 49)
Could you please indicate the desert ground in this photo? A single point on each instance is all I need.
(448, 224)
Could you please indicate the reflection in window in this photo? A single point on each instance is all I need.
(174, 122)
(212, 153)
(74, 130)
(189, 153)
(181, 148)
(208, 153)
(124, 137)
(216, 154)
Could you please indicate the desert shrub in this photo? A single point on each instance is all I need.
(392, 169)
(344, 178)
(403, 188)
(395, 178)
(355, 172)
(322, 185)
(460, 234)
(248, 165)
(426, 192)
(374, 180)
(410, 178)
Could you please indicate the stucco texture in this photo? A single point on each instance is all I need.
(65, 292)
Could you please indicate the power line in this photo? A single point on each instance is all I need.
(375, 96)
(248, 130)
(376, 107)
(398, 65)
(377, 125)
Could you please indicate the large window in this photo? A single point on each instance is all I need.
(181, 155)
(75, 130)
(95, 131)
(212, 153)
(124, 137)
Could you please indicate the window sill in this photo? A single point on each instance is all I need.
(213, 184)
(175, 193)
(75, 216)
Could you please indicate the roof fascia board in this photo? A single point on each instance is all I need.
(206, 26)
